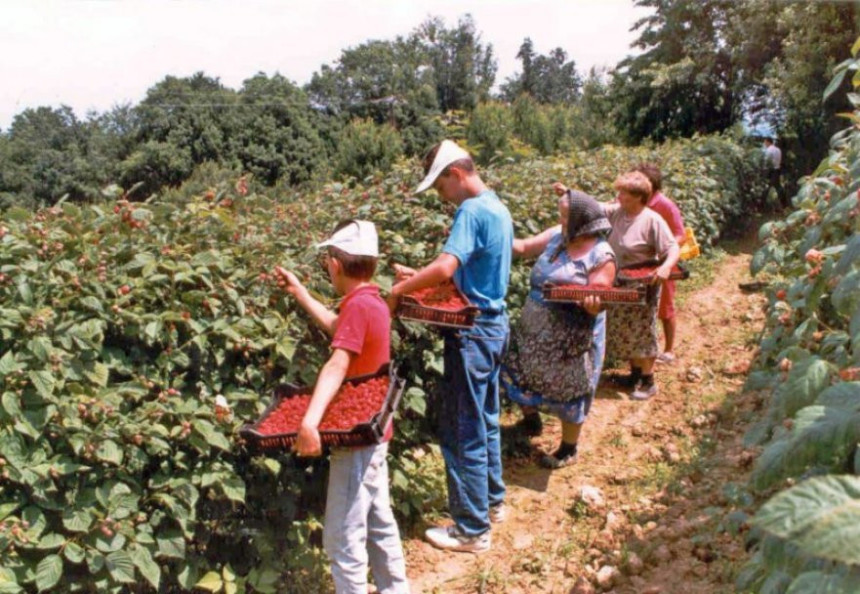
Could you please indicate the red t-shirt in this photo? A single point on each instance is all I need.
(669, 211)
(364, 327)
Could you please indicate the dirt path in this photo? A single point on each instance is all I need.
(669, 470)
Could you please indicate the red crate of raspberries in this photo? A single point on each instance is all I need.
(443, 305)
(357, 416)
(643, 273)
(607, 294)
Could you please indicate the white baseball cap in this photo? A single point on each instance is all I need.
(448, 153)
(356, 237)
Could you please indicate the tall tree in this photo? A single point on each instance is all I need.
(681, 83)
(277, 137)
(47, 155)
(463, 68)
(548, 79)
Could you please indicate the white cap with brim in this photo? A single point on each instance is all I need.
(448, 153)
(357, 238)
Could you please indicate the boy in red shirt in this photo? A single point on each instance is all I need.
(360, 528)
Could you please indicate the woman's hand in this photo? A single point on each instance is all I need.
(661, 274)
(591, 304)
(401, 272)
(559, 188)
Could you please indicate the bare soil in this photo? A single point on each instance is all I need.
(669, 470)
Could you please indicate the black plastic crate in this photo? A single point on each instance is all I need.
(363, 434)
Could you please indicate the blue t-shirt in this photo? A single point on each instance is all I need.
(482, 239)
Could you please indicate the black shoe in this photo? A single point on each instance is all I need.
(628, 380)
(565, 455)
(530, 425)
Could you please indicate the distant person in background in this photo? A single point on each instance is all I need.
(667, 209)
(773, 165)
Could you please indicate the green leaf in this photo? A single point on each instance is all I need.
(817, 582)
(51, 541)
(98, 374)
(835, 83)
(172, 547)
(269, 464)
(48, 572)
(211, 582)
(109, 451)
(77, 520)
(44, 382)
(8, 582)
(149, 569)
(806, 380)
(212, 436)
(844, 395)
(11, 404)
(234, 489)
(121, 567)
(74, 552)
(820, 516)
(8, 364)
(7, 509)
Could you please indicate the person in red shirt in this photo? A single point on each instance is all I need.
(667, 209)
(360, 529)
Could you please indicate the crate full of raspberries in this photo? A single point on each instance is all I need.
(644, 272)
(607, 295)
(442, 305)
(357, 416)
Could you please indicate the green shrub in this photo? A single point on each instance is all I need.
(365, 148)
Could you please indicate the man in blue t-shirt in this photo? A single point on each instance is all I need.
(477, 256)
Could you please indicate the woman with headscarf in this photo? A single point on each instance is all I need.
(556, 351)
(639, 236)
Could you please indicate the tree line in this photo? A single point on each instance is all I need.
(703, 67)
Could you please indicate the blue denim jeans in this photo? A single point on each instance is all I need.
(469, 432)
(360, 528)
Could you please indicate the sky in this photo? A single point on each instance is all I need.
(95, 54)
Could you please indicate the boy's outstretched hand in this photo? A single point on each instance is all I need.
(289, 281)
(308, 443)
(559, 189)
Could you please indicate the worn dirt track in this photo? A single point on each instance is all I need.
(669, 470)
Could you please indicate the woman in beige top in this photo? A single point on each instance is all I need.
(638, 235)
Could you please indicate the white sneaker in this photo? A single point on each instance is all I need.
(667, 357)
(451, 539)
(643, 393)
(498, 513)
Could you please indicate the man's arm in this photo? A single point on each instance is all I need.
(330, 379)
(321, 315)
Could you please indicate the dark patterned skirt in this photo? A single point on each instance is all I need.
(551, 352)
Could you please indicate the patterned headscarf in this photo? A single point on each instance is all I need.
(585, 216)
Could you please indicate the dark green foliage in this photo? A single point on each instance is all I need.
(489, 131)
(365, 148)
(277, 138)
(548, 79)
